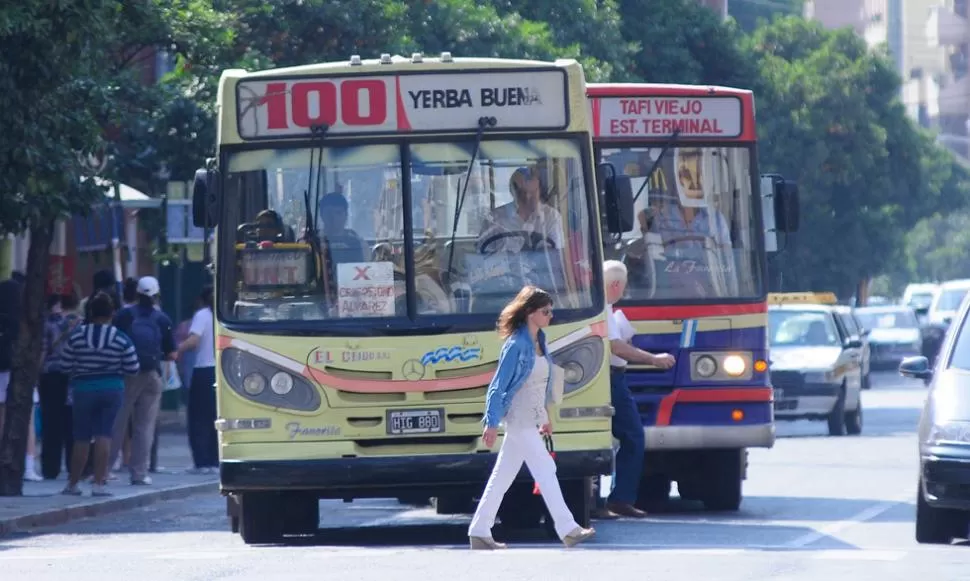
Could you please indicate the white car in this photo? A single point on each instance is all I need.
(947, 301)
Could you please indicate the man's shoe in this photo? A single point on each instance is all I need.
(603, 514)
(624, 509)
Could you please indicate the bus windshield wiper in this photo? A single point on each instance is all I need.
(483, 124)
(319, 133)
(312, 204)
(671, 140)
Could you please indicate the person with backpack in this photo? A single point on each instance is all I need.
(151, 332)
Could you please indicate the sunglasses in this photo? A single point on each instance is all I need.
(546, 311)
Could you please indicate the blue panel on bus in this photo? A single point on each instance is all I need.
(719, 414)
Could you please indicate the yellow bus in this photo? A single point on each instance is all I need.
(372, 218)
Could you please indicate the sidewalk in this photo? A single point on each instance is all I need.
(42, 504)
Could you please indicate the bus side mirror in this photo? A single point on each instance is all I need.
(618, 202)
(206, 198)
(786, 206)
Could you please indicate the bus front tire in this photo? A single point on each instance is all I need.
(265, 517)
(724, 491)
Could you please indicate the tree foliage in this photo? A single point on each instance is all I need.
(831, 119)
(70, 72)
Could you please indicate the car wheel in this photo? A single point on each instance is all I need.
(853, 420)
(937, 526)
(836, 417)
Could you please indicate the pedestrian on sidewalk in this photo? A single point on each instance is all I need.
(151, 332)
(203, 439)
(97, 358)
(518, 396)
(55, 413)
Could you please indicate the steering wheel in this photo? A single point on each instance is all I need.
(679, 239)
(533, 240)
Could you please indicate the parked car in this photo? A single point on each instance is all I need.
(894, 334)
(943, 502)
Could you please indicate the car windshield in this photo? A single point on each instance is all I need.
(696, 233)
(920, 300)
(801, 328)
(950, 299)
(382, 242)
(887, 319)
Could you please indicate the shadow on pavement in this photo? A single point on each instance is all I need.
(782, 508)
(877, 423)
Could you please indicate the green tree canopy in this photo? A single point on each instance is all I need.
(830, 117)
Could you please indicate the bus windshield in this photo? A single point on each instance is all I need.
(696, 233)
(383, 247)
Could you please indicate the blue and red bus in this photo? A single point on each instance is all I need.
(704, 222)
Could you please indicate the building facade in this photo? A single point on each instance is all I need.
(948, 29)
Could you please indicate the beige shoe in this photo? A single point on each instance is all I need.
(578, 535)
(485, 544)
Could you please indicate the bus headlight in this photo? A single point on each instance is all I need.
(734, 365)
(721, 366)
(254, 384)
(705, 366)
(248, 376)
(281, 383)
(581, 361)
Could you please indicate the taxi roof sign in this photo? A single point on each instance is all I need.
(826, 298)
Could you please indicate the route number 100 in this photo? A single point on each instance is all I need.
(361, 102)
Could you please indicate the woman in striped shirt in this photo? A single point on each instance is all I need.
(97, 357)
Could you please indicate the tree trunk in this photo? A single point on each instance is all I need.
(26, 362)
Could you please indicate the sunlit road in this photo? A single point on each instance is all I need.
(816, 507)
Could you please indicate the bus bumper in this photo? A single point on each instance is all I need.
(337, 477)
(709, 437)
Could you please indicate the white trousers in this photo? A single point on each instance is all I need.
(522, 445)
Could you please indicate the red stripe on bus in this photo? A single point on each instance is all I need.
(719, 395)
(678, 312)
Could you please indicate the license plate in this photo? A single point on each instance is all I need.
(405, 422)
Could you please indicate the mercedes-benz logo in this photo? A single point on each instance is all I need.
(413, 370)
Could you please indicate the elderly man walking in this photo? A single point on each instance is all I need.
(627, 427)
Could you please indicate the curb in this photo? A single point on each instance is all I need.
(63, 515)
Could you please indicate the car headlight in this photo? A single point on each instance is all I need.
(721, 366)
(249, 376)
(581, 361)
(950, 432)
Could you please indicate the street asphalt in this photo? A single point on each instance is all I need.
(815, 508)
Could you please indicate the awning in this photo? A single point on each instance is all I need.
(130, 197)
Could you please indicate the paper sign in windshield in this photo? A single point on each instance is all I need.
(365, 289)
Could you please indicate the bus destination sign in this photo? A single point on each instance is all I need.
(632, 117)
(413, 103)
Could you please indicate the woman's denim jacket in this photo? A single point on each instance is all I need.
(515, 363)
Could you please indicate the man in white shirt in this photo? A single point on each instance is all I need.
(527, 213)
(627, 426)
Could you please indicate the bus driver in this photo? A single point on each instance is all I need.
(526, 214)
